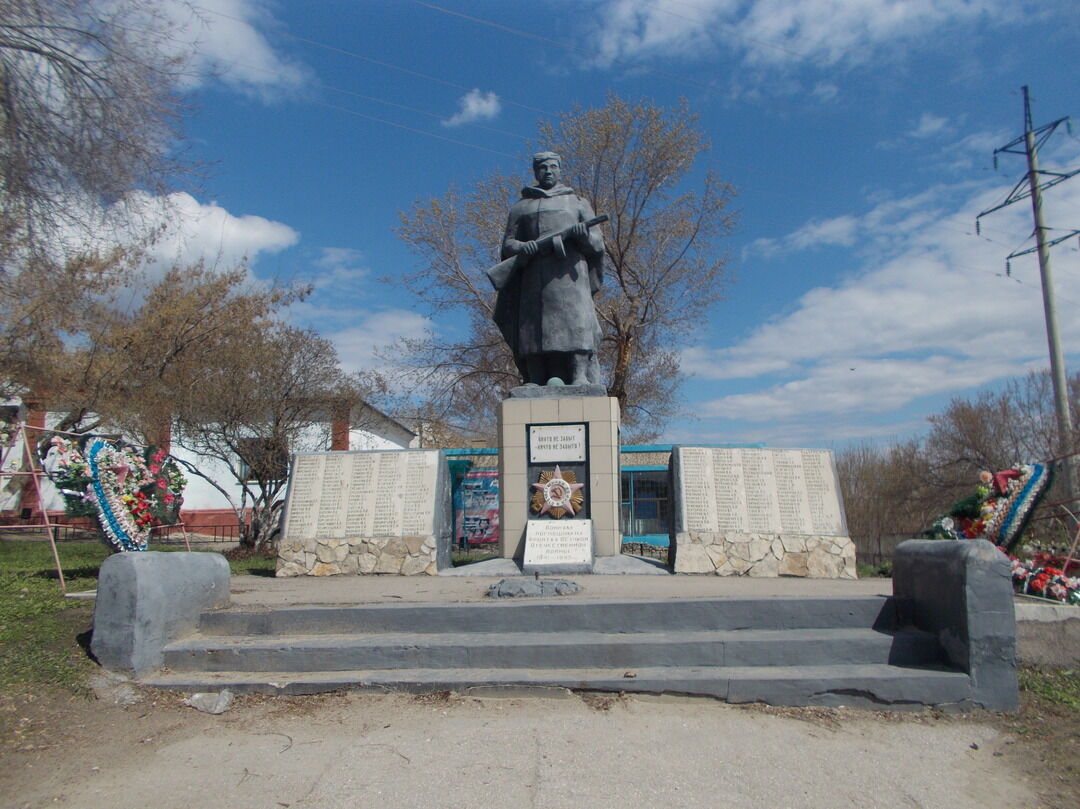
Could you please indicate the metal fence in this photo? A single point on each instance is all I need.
(203, 534)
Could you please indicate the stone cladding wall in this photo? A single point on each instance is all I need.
(733, 554)
(405, 556)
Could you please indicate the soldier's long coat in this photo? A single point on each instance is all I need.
(548, 305)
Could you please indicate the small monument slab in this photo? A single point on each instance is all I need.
(366, 512)
(558, 546)
(759, 512)
(554, 443)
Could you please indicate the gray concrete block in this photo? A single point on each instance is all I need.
(558, 570)
(514, 615)
(962, 591)
(520, 587)
(563, 649)
(1046, 643)
(488, 567)
(866, 686)
(628, 565)
(556, 391)
(145, 600)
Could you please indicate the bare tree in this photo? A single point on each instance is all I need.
(267, 393)
(89, 112)
(663, 261)
(896, 491)
(996, 430)
(663, 266)
(889, 494)
(128, 365)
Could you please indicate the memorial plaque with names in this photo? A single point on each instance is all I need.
(554, 443)
(338, 495)
(752, 490)
(558, 546)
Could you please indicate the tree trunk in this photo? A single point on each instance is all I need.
(247, 540)
(620, 374)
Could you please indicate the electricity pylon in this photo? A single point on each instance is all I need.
(1036, 180)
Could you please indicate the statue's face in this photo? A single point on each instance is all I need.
(548, 173)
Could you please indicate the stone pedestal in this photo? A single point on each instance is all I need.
(518, 469)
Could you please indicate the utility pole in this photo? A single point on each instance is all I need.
(1031, 140)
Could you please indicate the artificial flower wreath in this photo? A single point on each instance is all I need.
(127, 490)
(1000, 508)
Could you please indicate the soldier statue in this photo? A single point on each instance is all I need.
(552, 267)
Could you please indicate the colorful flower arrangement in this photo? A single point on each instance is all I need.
(1000, 508)
(1047, 576)
(128, 491)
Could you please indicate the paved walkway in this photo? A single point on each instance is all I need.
(448, 752)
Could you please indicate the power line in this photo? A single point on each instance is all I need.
(417, 110)
(515, 32)
(339, 108)
(388, 65)
(555, 43)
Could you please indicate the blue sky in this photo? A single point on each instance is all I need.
(858, 134)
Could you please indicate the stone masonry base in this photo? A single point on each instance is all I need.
(404, 556)
(734, 554)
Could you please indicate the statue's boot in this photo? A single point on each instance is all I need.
(579, 364)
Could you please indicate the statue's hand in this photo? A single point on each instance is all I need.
(579, 232)
(528, 249)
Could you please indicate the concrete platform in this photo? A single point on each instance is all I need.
(795, 641)
(253, 591)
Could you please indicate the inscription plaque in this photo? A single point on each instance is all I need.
(558, 546)
(751, 490)
(552, 443)
(337, 495)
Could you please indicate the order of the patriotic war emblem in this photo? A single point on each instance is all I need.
(557, 494)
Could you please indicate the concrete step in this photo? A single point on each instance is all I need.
(551, 650)
(862, 685)
(546, 615)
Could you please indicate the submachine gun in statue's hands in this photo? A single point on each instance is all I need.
(501, 272)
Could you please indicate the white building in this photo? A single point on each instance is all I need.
(205, 506)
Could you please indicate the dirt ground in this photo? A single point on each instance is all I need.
(134, 747)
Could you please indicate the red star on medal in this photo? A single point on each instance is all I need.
(558, 492)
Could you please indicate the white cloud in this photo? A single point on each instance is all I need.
(776, 32)
(825, 432)
(883, 229)
(879, 385)
(632, 28)
(926, 310)
(727, 364)
(358, 345)
(340, 267)
(845, 31)
(195, 231)
(973, 151)
(475, 106)
(929, 125)
(222, 39)
(816, 233)
(825, 91)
